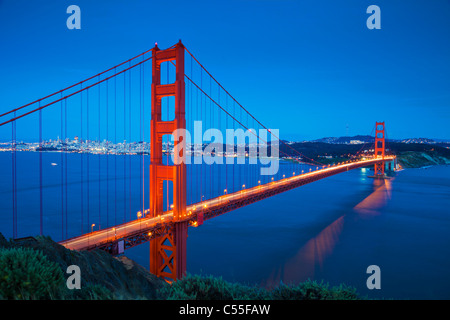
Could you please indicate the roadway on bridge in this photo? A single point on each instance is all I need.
(111, 234)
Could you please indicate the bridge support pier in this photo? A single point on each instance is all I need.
(168, 252)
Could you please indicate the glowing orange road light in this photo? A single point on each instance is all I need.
(293, 173)
(225, 191)
(92, 227)
(283, 176)
(139, 215)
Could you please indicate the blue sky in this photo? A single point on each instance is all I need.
(308, 68)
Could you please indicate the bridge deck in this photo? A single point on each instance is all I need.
(141, 230)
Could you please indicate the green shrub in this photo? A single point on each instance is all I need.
(209, 288)
(28, 274)
(312, 290)
(89, 292)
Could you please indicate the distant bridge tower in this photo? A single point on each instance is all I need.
(168, 252)
(379, 148)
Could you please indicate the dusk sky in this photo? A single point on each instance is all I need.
(307, 68)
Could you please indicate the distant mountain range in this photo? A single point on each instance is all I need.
(346, 140)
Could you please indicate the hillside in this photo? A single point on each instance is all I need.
(409, 154)
(35, 269)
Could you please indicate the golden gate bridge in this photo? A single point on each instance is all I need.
(98, 185)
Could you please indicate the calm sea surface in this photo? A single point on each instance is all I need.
(329, 230)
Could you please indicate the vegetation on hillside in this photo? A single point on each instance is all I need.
(36, 269)
(194, 287)
(410, 155)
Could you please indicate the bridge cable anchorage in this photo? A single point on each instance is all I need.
(248, 111)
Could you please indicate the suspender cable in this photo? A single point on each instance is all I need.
(233, 117)
(129, 142)
(115, 152)
(81, 159)
(76, 84)
(141, 182)
(99, 155)
(13, 176)
(247, 110)
(107, 153)
(88, 151)
(124, 150)
(41, 207)
(143, 137)
(62, 173)
(66, 163)
(167, 144)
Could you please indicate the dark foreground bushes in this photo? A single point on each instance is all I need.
(194, 287)
(37, 270)
(28, 274)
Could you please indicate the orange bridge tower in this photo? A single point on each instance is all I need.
(379, 149)
(168, 252)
